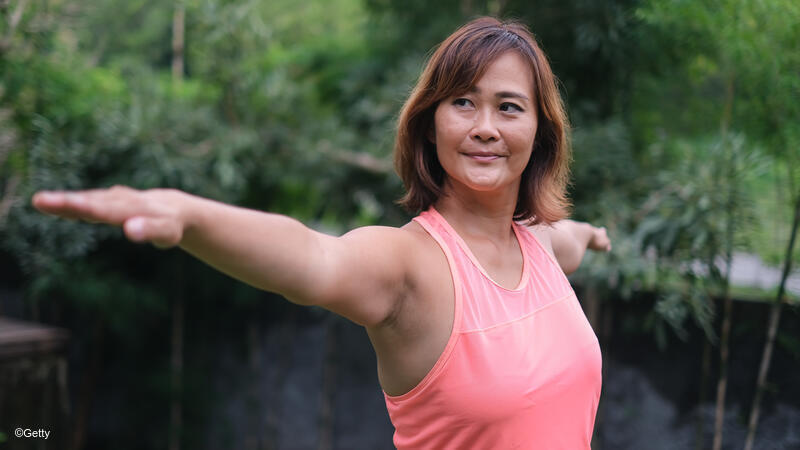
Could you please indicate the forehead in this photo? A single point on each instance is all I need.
(509, 71)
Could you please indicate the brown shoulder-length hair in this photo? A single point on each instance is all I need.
(456, 65)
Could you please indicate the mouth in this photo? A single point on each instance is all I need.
(482, 156)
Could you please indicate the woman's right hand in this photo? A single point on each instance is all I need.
(361, 275)
(145, 216)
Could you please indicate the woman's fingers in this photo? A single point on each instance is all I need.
(110, 206)
(600, 240)
(161, 232)
(50, 202)
(146, 216)
(69, 205)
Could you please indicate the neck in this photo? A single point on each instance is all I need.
(476, 213)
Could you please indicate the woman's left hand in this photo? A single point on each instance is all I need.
(599, 240)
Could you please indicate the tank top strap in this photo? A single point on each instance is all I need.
(544, 269)
(534, 249)
(432, 224)
(480, 301)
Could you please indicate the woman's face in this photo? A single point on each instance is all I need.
(484, 138)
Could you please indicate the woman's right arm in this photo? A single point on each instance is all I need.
(361, 275)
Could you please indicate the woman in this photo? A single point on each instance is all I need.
(480, 340)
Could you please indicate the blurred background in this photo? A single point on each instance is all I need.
(686, 144)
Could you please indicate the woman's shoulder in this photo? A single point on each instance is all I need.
(543, 233)
(408, 243)
(424, 251)
(419, 237)
(403, 236)
(409, 246)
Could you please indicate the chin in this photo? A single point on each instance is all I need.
(481, 183)
(484, 186)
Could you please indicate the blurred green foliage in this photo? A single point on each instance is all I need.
(685, 113)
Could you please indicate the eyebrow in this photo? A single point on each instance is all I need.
(503, 94)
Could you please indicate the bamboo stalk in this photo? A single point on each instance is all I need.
(772, 331)
(722, 383)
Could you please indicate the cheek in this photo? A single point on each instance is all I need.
(443, 132)
(450, 129)
(523, 143)
(523, 139)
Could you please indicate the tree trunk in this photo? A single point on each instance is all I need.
(497, 7)
(177, 42)
(592, 311)
(603, 330)
(9, 196)
(466, 8)
(274, 412)
(13, 22)
(176, 375)
(88, 383)
(592, 307)
(704, 374)
(774, 320)
(328, 386)
(176, 372)
(254, 440)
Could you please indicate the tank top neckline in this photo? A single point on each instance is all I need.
(523, 280)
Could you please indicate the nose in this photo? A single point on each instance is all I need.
(484, 129)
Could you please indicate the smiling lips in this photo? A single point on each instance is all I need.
(483, 157)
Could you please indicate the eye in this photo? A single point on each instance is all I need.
(510, 107)
(463, 102)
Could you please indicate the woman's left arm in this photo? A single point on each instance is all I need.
(570, 239)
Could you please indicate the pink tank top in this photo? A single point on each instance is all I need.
(521, 369)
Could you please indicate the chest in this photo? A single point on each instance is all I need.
(503, 267)
(531, 383)
(550, 356)
(410, 348)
